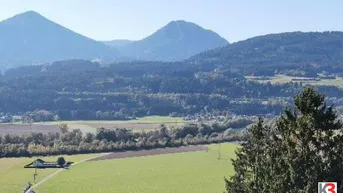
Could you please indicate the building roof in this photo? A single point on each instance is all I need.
(41, 161)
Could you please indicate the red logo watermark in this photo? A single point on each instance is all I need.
(327, 187)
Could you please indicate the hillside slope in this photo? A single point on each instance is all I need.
(293, 48)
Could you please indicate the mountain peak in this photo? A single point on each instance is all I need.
(178, 40)
(30, 38)
(182, 23)
(27, 14)
(31, 13)
(25, 18)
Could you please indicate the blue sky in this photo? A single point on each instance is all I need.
(135, 19)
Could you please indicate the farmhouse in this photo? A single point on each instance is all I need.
(39, 163)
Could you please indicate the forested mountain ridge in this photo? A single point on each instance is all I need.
(291, 50)
(178, 40)
(29, 38)
(84, 90)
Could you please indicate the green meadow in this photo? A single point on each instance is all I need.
(14, 177)
(191, 172)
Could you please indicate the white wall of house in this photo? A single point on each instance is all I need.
(37, 164)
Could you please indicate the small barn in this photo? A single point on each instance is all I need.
(39, 163)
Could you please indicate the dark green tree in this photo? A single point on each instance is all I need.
(304, 148)
(64, 128)
(61, 161)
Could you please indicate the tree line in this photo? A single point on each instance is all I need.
(112, 140)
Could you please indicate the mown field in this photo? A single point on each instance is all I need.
(14, 177)
(189, 172)
(144, 123)
(281, 79)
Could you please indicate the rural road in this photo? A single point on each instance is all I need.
(58, 171)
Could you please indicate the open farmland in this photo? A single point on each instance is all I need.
(281, 79)
(27, 128)
(140, 124)
(14, 177)
(198, 172)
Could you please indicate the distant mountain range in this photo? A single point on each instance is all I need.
(29, 38)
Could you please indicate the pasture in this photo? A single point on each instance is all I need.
(14, 177)
(281, 79)
(138, 125)
(188, 172)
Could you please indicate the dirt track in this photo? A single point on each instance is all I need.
(118, 155)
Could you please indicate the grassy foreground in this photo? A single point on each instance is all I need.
(14, 177)
(192, 172)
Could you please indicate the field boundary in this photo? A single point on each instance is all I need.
(150, 152)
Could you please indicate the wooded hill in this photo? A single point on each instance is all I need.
(307, 53)
(77, 89)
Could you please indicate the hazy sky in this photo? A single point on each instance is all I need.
(134, 19)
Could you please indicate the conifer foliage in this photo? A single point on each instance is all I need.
(304, 148)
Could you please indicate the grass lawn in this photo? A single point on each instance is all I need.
(14, 177)
(143, 123)
(192, 172)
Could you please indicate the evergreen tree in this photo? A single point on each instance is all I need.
(61, 161)
(303, 149)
